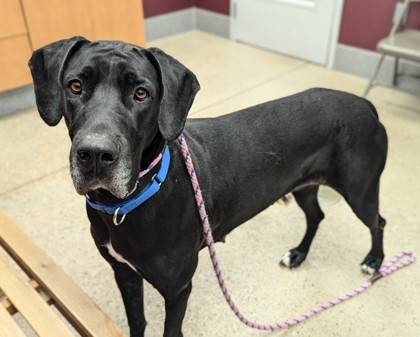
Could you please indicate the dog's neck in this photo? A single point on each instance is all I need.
(152, 151)
(154, 148)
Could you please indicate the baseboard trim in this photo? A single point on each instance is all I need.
(213, 23)
(17, 100)
(164, 25)
(183, 20)
(362, 62)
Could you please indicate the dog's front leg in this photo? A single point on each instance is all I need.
(130, 284)
(175, 306)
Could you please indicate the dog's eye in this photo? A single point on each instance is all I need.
(75, 87)
(141, 94)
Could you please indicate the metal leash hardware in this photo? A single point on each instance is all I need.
(396, 263)
(115, 217)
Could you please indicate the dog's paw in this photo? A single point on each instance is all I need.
(368, 270)
(292, 259)
(285, 260)
(371, 265)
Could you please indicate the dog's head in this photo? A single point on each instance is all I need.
(116, 98)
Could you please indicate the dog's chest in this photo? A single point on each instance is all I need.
(117, 256)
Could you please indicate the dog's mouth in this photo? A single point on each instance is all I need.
(117, 181)
(120, 178)
(96, 185)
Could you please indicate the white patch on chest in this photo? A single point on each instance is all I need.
(118, 256)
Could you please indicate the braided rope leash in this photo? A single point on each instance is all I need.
(398, 261)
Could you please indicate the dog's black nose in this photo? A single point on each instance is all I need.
(97, 151)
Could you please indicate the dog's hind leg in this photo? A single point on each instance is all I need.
(365, 205)
(307, 199)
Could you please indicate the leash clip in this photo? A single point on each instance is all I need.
(115, 218)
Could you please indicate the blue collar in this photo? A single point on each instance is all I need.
(126, 206)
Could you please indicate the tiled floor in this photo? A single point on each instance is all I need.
(36, 191)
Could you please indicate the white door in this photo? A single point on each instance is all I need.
(307, 29)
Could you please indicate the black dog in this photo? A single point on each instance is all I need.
(123, 103)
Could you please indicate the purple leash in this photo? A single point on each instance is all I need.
(397, 262)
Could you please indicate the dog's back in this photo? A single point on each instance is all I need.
(266, 151)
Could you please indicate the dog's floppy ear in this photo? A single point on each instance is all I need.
(178, 89)
(47, 64)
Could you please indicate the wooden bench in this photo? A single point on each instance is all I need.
(44, 286)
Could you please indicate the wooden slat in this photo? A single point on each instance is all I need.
(5, 302)
(25, 298)
(8, 327)
(74, 304)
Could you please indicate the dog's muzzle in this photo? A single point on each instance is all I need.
(96, 161)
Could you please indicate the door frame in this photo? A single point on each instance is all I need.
(334, 33)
